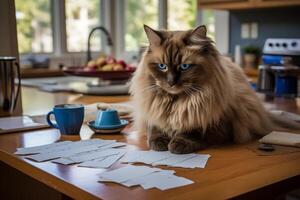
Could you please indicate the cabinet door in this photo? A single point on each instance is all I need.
(276, 3)
(244, 4)
(219, 1)
(224, 4)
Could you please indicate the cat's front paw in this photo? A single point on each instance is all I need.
(159, 143)
(181, 146)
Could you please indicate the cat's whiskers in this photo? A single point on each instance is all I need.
(149, 88)
(187, 91)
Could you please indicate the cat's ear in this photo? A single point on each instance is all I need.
(153, 36)
(198, 34)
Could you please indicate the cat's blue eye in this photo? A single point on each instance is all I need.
(162, 67)
(184, 66)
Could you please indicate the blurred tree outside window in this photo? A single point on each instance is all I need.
(138, 13)
(34, 26)
(182, 14)
(209, 20)
(34, 23)
(81, 17)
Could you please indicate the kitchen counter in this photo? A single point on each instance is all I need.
(38, 73)
(232, 172)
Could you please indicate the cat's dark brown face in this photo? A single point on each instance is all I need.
(179, 61)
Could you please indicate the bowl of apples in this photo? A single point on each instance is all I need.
(104, 67)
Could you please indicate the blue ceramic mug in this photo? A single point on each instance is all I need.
(68, 117)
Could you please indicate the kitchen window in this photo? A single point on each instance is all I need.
(81, 17)
(208, 18)
(34, 26)
(138, 13)
(182, 14)
(59, 29)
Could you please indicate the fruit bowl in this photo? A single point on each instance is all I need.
(105, 75)
(104, 67)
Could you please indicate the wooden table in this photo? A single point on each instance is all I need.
(232, 171)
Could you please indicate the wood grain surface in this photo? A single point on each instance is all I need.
(231, 171)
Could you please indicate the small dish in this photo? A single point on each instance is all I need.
(108, 129)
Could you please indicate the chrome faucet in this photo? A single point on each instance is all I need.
(109, 40)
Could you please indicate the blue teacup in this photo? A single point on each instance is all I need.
(107, 117)
(68, 117)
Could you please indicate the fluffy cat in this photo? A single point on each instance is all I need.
(187, 96)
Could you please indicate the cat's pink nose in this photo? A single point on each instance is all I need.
(172, 84)
(171, 80)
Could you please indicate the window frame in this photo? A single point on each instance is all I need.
(121, 31)
(112, 16)
(59, 33)
(23, 55)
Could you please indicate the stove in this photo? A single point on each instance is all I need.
(278, 75)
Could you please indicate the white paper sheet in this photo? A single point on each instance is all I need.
(63, 161)
(60, 146)
(145, 176)
(146, 157)
(114, 145)
(69, 149)
(37, 149)
(166, 158)
(165, 182)
(143, 179)
(126, 173)
(65, 153)
(197, 161)
(105, 162)
(94, 155)
(173, 159)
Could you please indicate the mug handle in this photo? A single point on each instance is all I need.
(49, 121)
(19, 85)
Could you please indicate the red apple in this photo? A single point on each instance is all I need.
(122, 62)
(129, 67)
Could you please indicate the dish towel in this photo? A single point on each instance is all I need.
(282, 138)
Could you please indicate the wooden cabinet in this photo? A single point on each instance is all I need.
(276, 3)
(244, 4)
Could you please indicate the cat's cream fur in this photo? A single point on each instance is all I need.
(226, 95)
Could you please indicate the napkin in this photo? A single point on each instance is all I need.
(282, 138)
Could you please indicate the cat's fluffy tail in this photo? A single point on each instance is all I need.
(281, 122)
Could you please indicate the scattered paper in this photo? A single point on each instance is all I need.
(87, 152)
(114, 145)
(95, 154)
(173, 159)
(198, 161)
(98, 153)
(145, 176)
(38, 149)
(63, 153)
(105, 162)
(64, 161)
(167, 158)
(126, 173)
(142, 180)
(61, 146)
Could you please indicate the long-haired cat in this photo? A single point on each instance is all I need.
(187, 96)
